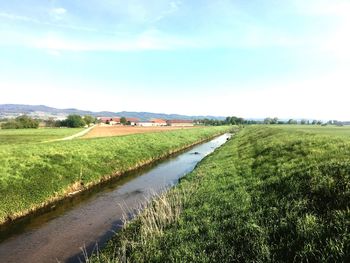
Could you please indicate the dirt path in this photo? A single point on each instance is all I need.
(79, 134)
(106, 131)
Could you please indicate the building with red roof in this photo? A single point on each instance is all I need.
(109, 120)
(180, 123)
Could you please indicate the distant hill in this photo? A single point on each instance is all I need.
(42, 111)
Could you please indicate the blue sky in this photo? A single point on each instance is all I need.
(249, 58)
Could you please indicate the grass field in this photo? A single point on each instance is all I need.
(32, 174)
(268, 195)
(325, 130)
(24, 136)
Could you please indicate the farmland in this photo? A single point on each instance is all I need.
(35, 174)
(107, 131)
(24, 136)
(269, 195)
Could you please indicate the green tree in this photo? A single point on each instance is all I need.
(51, 122)
(11, 124)
(74, 121)
(267, 120)
(89, 119)
(123, 120)
(21, 122)
(27, 122)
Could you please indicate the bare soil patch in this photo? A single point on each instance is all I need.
(107, 131)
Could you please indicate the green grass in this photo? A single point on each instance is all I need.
(31, 174)
(325, 130)
(24, 136)
(268, 195)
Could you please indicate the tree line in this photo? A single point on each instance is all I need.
(233, 120)
(302, 122)
(72, 121)
(21, 122)
(26, 122)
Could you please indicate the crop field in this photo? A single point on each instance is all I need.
(37, 173)
(268, 195)
(23, 136)
(106, 131)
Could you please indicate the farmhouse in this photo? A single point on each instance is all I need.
(132, 121)
(152, 123)
(180, 123)
(159, 122)
(109, 120)
(145, 123)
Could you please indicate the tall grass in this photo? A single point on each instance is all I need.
(268, 195)
(151, 223)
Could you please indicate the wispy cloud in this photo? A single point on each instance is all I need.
(173, 7)
(58, 13)
(11, 16)
(219, 30)
(148, 40)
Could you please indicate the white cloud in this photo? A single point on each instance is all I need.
(58, 13)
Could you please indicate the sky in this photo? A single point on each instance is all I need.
(254, 59)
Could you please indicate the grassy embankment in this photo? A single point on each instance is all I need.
(33, 175)
(268, 195)
(24, 136)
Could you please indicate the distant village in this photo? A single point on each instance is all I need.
(148, 123)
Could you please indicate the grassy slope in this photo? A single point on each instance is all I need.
(35, 173)
(268, 195)
(23, 136)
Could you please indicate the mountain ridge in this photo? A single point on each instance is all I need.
(12, 110)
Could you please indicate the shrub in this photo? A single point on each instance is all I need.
(21, 122)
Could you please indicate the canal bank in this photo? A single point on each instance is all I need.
(93, 218)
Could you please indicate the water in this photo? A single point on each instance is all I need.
(91, 218)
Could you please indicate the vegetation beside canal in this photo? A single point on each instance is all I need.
(36, 174)
(268, 195)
